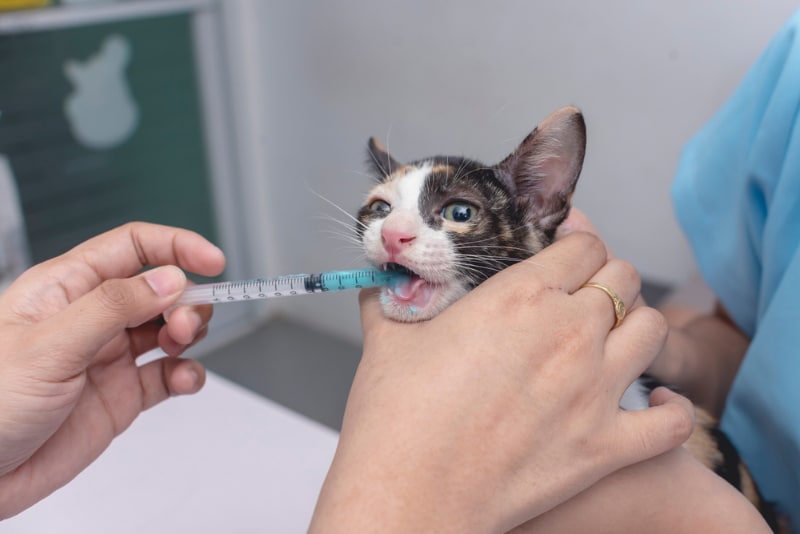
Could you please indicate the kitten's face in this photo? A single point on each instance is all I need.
(453, 222)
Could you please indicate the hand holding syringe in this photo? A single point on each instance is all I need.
(286, 286)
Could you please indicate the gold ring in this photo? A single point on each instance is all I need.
(619, 306)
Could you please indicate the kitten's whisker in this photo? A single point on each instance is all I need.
(388, 149)
(348, 239)
(335, 205)
(459, 170)
(525, 261)
(475, 259)
(494, 237)
(491, 264)
(485, 249)
(484, 271)
(345, 224)
(477, 169)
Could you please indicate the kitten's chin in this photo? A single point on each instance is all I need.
(422, 302)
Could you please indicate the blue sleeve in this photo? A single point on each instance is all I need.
(729, 179)
(737, 197)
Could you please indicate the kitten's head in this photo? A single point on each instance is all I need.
(452, 222)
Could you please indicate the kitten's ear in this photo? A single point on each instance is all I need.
(544, 168)
(379, 160)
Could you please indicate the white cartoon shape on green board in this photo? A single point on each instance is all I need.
(14, 254)
(101, 110)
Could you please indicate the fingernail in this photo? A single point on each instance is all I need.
(195, 381)
(165, 280)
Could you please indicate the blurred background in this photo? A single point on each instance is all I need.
(247, 120)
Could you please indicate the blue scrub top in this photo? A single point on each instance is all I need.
(737, 197)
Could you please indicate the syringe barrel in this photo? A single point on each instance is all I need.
(287, 286)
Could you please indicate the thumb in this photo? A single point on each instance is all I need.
(665, 425)
(576, 221)
(87, 324)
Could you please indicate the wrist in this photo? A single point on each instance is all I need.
(379, 493)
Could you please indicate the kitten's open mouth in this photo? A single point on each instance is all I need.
(415, 291)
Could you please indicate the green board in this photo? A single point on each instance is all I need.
(102, 124)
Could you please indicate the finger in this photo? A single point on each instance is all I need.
(167, 377)
(125, 250)
(662, 395)
(186, 321)
(631, 348)
(621, 279)
(144, 338)
(174, 348)
(576, 221)
(188, 328)
(662, 427)
(86, 325)
(566, 265)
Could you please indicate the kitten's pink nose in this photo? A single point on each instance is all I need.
(395, 240)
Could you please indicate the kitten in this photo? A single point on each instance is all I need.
(454, 222)
(451, 222)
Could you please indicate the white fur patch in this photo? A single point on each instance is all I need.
(431, 255)
(409, 187)
(636, 397)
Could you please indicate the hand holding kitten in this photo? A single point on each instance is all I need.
(703, 350)
(534, 413)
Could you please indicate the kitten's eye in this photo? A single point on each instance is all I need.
(460, 212)
(380, 206)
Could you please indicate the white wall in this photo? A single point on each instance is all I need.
(473, 78)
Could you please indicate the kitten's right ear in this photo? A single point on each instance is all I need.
(379, 160)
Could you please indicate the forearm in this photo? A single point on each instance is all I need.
(378, 496)
(702, 355)
(670, 493)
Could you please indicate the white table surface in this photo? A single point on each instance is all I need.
(222, 461)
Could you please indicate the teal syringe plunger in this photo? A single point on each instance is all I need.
(287, 286)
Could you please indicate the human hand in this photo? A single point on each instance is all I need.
(703, 350)
(72, 328)
(501, 407)
(577, 221)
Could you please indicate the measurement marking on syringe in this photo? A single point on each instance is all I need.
(289, 285)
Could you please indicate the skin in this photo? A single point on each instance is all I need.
(502, 398)
(671, 493)
(687, 497)
(703, 351)
(447, 429)
(702, 356)
(72, 328)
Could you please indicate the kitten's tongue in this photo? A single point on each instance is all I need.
(414, 291)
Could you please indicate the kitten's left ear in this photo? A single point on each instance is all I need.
(379, 160)
(544, 168)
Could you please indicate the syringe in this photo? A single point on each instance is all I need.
(287, 286)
